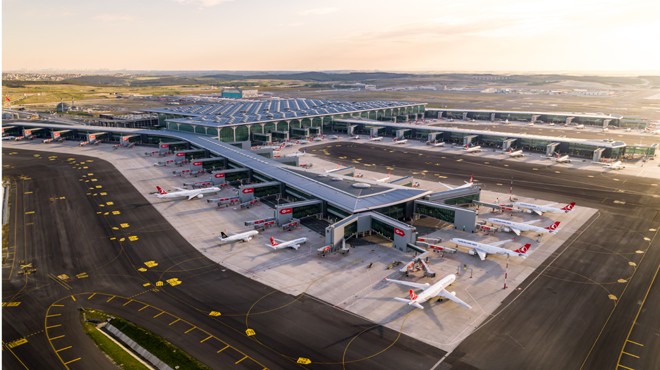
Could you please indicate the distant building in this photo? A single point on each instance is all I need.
(239, 93)
(62, 107)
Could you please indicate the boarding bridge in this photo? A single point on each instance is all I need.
(455, 196)
(127, 142)
(208, 164)
(232, 174)
(402, 181)
(401, 134)
(597, 154)
(280, 135)
(261, 139)
(373, 131)
(351, 130)
(93, 138)
(432, 137)
(569, 120)
(550, 149)
(299, 133)
(28, 134)
(343, 171)
(249, 192)
(59, 135)
(284, 213)
(462, 218)
(291, 161)
(182, 156)
(359, 224)
(264, 152)
(467, 139)
(166, 148)
(506, 144)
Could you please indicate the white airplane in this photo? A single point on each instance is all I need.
(296, 154)
(472, 149)
(517, 153)
(436, 144)
(429, 291)
(318, 138)
(303, 142)
(276, 148)
(614, 166)
(518, 227)
(468, 184)
(356, 137)
(579, 127)
(399, 141)
(281, 244)
(389, 175)
(185, 193)
(244, 237)
(334, 137)
(562, 159)
(482, 250)
(376, 138)
(539, 210)
(8, 137)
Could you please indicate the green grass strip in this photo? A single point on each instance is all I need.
(118, 355)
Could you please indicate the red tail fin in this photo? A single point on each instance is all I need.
(569, 207)
(413, 296)
(160, 190)
(471, 179)
(273, 242)
(553, 226)
(523, 249)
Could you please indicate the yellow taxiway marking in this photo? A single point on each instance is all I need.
(91, 296)
(250, 332)
(151, 264)
(110, 299)
(57, 305)
(220, 350)
(73, 298)
(110, 203)
(633, 342)
(11, 304)
(143, 307)
(158, 314)
(625, 367)
(239, 361)
(214, 313)
(54, 315)
(29, 212)
(53, 326)
(174, 322)
(205, 339)
(57, 337)
(74, 360)
(127, 302)
(630, 354)
(62, 349)
(189, 330)
(17, 342)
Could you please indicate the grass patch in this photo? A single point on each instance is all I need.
(158, 346)
(118, 355)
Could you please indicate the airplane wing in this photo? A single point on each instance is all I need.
(447, 186)
(481, 254)
(531, 222)
(180, 189)
(446, 294)
(407, 283)
(193, 195)
(538, 212)
(501, 242)
(516, 231)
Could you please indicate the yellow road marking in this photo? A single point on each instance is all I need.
(630, 354)
(145, 306)
(639, 344)
(73, 298)
(57, 337)
(17, 342)
(625, 367)
(110, 299)
(53, 326)
(222, 349)
(74, 360)
(54, 315)
(237, 362)
(127, 302)
(191, 329)
(62, 349)
(29, 212)
(57, 305)
(91, 296)
(205, 339)
(158, 314)
(174, 322)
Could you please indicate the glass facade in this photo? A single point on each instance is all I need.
(266, 190)
(397, 212)
(382, 229)
(462, 200)
(350, 230)
(304, 211)
(447, 215)
(227, 134)
(242, 133)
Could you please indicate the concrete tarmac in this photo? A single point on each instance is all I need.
(577, 310)
(97, 243)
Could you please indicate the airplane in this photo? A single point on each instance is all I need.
(614, 166)
(244, 237)
(281, 244)
(517, 153)
(562, 159)
(303, 142)
(356, 137)
(435, 144)
(376, 138)
(579, 127)
(318, 138)
(518, 227)
(276, 148)
(296, 154)
(429, 291)
(334, 137)
(9, 137)
(539, 210)
(399, 141)
(183, 193)
(389, 175)
(468, 184)
(472, 149)
(482, 249)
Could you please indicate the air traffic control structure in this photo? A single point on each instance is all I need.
(356, 206)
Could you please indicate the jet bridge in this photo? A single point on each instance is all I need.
(208, 164)
(249, 192)
(506, 143)
(359, 224)
(166, 148)
(467, 139)
(182, 156)
(401, 133)
(462, 218)
(286, 212)
(550, 149)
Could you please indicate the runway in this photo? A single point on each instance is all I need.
(97, 243)
(577, 310)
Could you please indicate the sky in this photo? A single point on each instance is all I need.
(588, 36)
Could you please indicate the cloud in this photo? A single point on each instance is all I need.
(203, 3)
(317, 11)
(113, 18)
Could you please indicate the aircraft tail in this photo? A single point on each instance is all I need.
(223, 235)
(160, 190)
(569, 207)
(523, 249)
(471, 180)
(412, 294)
(273, 242)
(554, 226)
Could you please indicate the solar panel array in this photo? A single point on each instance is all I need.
(271, 110)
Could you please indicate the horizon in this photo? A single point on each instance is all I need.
(612, 37)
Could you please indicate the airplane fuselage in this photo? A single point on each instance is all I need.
(521, 226)
(485, 248)
(436, 288)
(195, 193)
